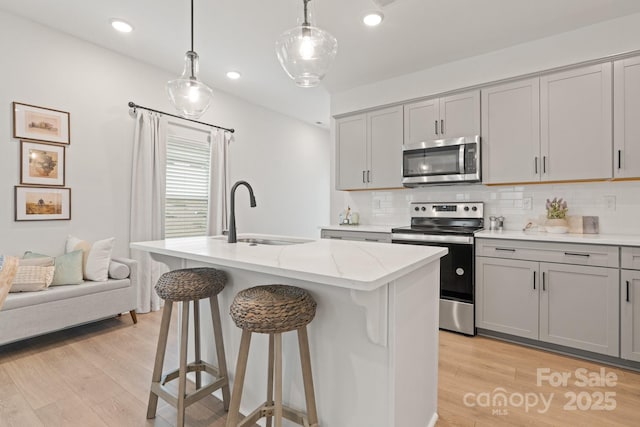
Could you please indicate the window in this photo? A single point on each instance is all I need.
(187, 182)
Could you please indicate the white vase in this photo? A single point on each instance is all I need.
(556, 225)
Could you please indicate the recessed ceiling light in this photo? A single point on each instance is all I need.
(233, 75)
(372, 19)
(122, 26)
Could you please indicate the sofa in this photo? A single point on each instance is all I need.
(28, 314)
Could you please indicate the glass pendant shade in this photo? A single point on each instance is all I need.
(306, 53)
(188, 95)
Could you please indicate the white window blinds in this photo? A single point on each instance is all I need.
(187, 186)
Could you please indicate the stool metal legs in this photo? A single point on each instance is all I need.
(183, 400)
(273, 409)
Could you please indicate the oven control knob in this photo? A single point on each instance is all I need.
(466, 208)
(423, 209)
(416, 209)
(474, 208)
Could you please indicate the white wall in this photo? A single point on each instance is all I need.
(287, 161)
(593, 42)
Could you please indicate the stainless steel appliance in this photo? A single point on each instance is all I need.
(443, 161)
(449, 225)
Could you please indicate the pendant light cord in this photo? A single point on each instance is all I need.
(192, 26)
(306, 21)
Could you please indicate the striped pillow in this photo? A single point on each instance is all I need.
(32, 278)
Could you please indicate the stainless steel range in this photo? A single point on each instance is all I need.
(449, 225)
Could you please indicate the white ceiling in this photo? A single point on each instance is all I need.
(240, 35)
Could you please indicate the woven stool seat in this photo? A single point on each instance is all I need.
(272, 309)
(190, 284)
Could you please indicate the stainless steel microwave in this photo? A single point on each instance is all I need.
(443, 161)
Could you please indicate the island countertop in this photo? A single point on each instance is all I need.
(363, 266)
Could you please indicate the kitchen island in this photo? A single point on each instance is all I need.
(374, 340)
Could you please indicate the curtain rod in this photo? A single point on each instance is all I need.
(134, 106)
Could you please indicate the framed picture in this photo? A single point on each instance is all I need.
(42, 203)
(40, 124)
(42, 163)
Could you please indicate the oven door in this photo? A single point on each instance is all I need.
(457, 281)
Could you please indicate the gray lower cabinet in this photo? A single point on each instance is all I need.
(630, 304)
(579, 307)
(507, 296)
(573, 304)
(364, 236)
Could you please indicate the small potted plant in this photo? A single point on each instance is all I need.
(557, 216)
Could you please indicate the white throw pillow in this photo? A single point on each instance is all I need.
(95, 257)
(30, 278)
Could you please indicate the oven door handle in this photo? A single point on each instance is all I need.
(428, 238)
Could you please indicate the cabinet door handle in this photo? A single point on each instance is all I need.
(442, 126)
(505, 249)
(436, 127)
(577, 254)
(534, 280)
(368, 176)
(544, 285)
(363, 181)
(535, 164)
(544, 164)
(335, 237)
(371, 240)
(619, 159)
(627, 291)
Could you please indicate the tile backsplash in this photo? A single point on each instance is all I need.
(617, 204)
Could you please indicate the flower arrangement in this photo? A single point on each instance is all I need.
(556, 208)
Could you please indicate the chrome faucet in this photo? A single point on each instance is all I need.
(232, 220)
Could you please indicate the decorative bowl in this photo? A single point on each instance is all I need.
(557, 229)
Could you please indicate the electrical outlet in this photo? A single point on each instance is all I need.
(610, 203)
(527, 203)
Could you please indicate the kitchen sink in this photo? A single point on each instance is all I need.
(266, 240)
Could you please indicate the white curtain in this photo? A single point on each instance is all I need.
(147, 202)
(218, 180)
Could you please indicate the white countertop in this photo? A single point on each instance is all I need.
(594, 239)
(347, 264)
(361, 227)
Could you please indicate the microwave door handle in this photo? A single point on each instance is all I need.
(461, 158)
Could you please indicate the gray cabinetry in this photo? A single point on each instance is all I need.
(369, 150)
(507, 296)
(626, 110)
(565, 294)
(439, 118)
(630, 304)
(511, 132)
(579, 307)
(368, 236)
(576, 125)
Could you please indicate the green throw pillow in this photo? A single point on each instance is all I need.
(68, 267)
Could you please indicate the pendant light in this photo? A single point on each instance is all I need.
(187, 94)
(306, 52)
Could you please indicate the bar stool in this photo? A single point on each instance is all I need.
(273, 309)
(190, 284)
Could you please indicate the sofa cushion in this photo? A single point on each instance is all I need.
(118, 270)
(17, 300)
(31, 278)
(95, 257)
(68, 267)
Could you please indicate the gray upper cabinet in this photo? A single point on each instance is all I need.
(626, 111)
(351, 164)
(369, 150)
(447, 117)
(576, 125)
(511, 132)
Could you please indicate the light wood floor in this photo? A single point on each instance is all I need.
(99, 375)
